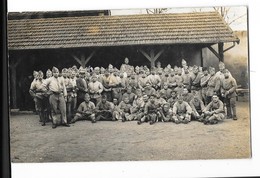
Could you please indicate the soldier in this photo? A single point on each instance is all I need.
(166, 113)
(116, 111)
(165, 92)
(129, 94)
(214, 111)
(204, 83)
(181, 111)
(86, 110)
(142, 81)
(126, 68)
(48, 73)
(151, 111)
(228, 92)
(72, 100)
(179, 89)
(154, 80)
(149, 90)
(172, 100)
(195, 81)
(57, 99)
(41, 101)
(81, 86)
(197, 106)
(133, 82)
(171, 81)
(186, 77)
(107, 90)
(124, 110)
(104, 110)
(95, 89)
(138, 104)
(186, 95)
(213, 85)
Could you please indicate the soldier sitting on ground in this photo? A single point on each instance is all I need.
(214, 111)
(86, 110)
(104, 110)
(165, 113)
(197, 106)
(151, 111)
(181, 111)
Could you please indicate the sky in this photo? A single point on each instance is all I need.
(235, 12)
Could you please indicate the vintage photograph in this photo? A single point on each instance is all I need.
(129, 85)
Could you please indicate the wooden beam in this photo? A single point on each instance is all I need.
(214, 52)
(152, 57)
(89, 57)
(221, 51)
(145, 54)
(76, 59)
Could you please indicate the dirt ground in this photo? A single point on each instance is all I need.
(117, 141)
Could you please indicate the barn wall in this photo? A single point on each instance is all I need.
(235, 59)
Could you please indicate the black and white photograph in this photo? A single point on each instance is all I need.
(146, 84)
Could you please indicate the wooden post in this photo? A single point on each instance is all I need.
(152, 57)
(221, 51)
(83, 60)
(13, 81)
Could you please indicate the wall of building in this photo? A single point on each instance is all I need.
(235, 59)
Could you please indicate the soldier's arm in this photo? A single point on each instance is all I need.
(234, 86)
(207, 108)
(188, 108)
(100, 88)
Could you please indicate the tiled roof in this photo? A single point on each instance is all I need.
(92, 31)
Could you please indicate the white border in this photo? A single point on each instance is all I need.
(202, 168)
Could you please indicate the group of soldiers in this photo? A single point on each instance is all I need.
(170, 94)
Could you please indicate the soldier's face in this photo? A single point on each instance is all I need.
(126, 100)
(64, 74)
(145, 98)
(94, 79)
(87, 98)
(166, 107)
(126, 60)
(165, 86)
(152, 99)
(226, 74)
(174, 94)
(214, 98)
(205, 72)
(180, 100)
(55, 74)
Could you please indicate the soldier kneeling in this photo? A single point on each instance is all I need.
(86, 110)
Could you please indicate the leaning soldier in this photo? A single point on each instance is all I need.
(181, 111)
(86, 110)
(228, 92)
(214, 111)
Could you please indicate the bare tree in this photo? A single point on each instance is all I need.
(156, 11)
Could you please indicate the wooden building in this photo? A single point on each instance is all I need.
(40, 43)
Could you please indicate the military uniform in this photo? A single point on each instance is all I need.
(104, 110)
(228, 91)
(86, 111)
(181, 112)
(214, 112)
(197, 106)
(58, 92)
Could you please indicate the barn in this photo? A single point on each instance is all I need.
(84, 40)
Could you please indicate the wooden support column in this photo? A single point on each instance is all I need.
(221, 51)
(12, 67)
(83, 60)
(152, 57)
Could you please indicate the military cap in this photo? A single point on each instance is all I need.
(48, 71)
(221, 64)
(64, 70)
(82, 71)
(55, 69)
(40, 73)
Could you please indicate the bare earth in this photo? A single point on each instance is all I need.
(117, 141)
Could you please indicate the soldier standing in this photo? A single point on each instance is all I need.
(95, 89)
(228, 92)
(57, 99)
(81, 86)
(213, 85)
